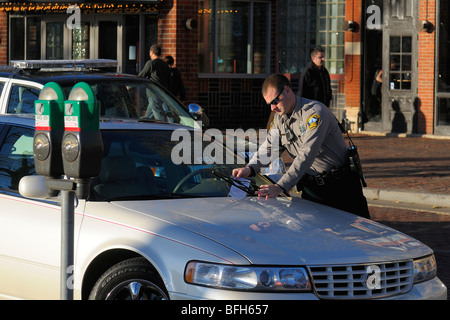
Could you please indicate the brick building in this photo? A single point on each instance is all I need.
(225, 49)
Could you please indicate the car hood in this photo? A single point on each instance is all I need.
(284, 231)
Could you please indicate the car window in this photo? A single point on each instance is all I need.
(146, 165)
(138, 99)
(22, 99)
(16, 157)
(127, 98)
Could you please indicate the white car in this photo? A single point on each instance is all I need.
(154, 229)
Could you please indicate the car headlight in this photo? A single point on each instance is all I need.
(247, 278)
(424, 269)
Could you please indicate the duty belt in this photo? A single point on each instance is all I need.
(327, 177)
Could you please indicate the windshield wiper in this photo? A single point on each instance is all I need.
(251, 189)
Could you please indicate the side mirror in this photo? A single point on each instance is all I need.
(198, 114)
(34, 187)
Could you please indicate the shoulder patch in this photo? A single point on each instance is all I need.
(313, 121)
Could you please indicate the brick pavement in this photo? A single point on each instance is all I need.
(411, 163)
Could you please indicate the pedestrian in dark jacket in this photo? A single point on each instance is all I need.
(176, 82)
(156, 69)
(315, 80)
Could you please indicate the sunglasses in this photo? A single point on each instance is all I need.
(276, 100)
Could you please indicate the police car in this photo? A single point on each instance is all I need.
(156, 228)
(119, 95)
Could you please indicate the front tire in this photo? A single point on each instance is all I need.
(132, 279)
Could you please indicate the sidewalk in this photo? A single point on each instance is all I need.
(412, 169)
(402, 169)
(405, 168)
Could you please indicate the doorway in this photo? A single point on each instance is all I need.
(372, 98)
(400, 56)
(107, 40)
(391, 49)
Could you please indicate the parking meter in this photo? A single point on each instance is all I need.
(82, 146)
(49, 130)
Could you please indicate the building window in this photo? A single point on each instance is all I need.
(25, 31)
(80, 42)
(317, 23)
(234, 37)
(296, 40)
(54, 40)
(330, 33)
(444, 47)
(443, 66)
(17, 30)
(400, 63)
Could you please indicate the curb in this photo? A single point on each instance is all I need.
(407, 197)
(402, 135)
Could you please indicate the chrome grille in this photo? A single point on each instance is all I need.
(362, 281)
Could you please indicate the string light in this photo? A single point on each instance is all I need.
(86, 7)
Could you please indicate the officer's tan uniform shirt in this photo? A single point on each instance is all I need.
(317, 145)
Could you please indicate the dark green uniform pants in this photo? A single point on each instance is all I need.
(344, 193)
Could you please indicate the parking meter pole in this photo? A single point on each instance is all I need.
(67, 244)
(67, 188)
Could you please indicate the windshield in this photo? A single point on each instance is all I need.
(148, 165)
(138, 99)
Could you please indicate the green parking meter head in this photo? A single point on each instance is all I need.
(82, 146)
(49, 108)
(81, 110)
(49, 129)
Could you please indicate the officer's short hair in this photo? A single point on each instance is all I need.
(277, 81)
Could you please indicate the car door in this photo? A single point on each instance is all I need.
(22, 95)
(29, 229)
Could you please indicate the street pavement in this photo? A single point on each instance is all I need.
(408, 187)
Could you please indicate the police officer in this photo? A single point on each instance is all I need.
(309, 132)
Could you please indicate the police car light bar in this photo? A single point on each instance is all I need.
(64, 64)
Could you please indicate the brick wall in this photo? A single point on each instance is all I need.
(3, 38)
(181, 43)
(426, 68)
(351, 84)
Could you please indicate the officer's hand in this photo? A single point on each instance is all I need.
(241, 172)
(269, 191)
